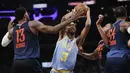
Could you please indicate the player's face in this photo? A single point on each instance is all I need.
(71, 28)
(27, 16)
(106, 27)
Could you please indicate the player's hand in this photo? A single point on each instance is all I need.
(76, 13)
(66, 16)
(63, 19)
(80, 50)
(88, 12)
(100, 19)
(88, 20)
(10, 25)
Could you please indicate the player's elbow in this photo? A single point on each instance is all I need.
(3, 44)
(6, 40)
(91, 58)
(87, 25)
(94, 56)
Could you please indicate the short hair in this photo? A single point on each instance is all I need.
(19, 13)
(120, 11)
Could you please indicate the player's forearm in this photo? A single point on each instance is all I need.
(83, 35)
(102, 34)
(6, 40)
(62, 25)
(87, 26)
(84, 31)
(89, 56)
(88, 21)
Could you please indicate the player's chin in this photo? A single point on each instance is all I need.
(72, 32)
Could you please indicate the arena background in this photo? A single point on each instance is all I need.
(50, 12)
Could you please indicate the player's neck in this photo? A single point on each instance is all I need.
(120, 18)
(21, 21)
(71, 36)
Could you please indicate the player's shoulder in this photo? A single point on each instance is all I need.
(124, 24)
(62, 39)
(128, 22)
(35, 23)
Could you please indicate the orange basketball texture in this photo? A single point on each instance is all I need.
(82, 6)
(79, 6)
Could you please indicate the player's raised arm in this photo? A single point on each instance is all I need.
(100, 29)
(84, 32)
(55, 29)
(7, 37)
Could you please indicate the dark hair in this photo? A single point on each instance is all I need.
(19, 13)
(120, 11)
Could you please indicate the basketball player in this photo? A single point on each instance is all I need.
(25, 39)
(100, 52)
(118, 60)
(65, 54)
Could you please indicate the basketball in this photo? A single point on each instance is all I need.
(79, 6)
(82, 6)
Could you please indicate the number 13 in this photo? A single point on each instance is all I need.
(20, 37)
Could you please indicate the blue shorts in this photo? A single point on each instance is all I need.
(118, 61)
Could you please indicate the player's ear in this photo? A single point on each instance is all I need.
(25, 15)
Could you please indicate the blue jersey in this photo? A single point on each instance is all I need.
(118, 41)
(26, 44)
(118, 58)
(65, 54)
